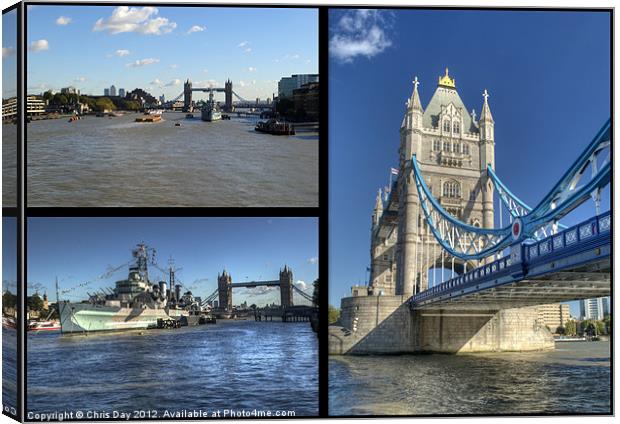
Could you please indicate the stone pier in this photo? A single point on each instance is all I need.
(386, 325)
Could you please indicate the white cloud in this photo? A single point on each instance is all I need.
(259, 290)
(7, 51)
(247, 49)
(206, 71)
(242, 83)
(243, 44)
(121, 52)
(301, 285)
(156, 81)
(39, 46)
(80, 79)
(63, 20)
(143, 62)
(196, 28)
(359, 33)
(314, 260)
(173, 83)
(141, 20)
(251, 69)
(174, 66)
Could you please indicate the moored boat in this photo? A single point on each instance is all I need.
(39, 326)
(274, 127)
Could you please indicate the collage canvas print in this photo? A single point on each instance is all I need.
(306, 211)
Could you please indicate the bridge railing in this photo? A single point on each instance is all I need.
(522, 254)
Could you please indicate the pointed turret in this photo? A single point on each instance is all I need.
(415, 102)
(378, 211)
(486, 122)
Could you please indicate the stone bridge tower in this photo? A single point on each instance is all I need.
(187, 96)
(228, 96)
(224, 289)
(453, 150)
(286, 287)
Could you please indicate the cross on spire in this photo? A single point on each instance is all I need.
(485, 94)
(415, 83)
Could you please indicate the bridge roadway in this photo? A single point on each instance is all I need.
(252, 284)
(570, 265)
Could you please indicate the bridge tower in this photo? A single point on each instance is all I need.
(224, 290)
(187, 96)
(228, 95)
(286, 287)
(453, 151)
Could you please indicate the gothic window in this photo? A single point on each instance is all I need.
(446, 126)
(385, 257)
(436, 145)
(451, 189)
(446, 146)
(388, 277)
(457, 127)
(466, 149)
(457, 147)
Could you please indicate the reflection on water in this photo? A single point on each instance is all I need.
(9, 165)
(118, 162)
(9, 368)
(575, 378)
(233, 364)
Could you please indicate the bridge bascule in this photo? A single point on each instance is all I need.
(189, 89)
(225, 286)
(465, 280)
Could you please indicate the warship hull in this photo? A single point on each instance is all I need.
(86, 318)
(210, 115)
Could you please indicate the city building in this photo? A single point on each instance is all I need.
(306, 98)
(121, 92)
(359, 290)
(162, 99)
(35, 105)
(554, 315)
(592, 308)
(606, 306)
(9, 109)
(112, 90)
(286, 85)
(106, 92)
(70, 90)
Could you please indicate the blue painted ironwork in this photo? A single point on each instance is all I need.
(524, 261)
(468, 242)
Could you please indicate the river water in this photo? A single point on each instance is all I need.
(9, 369)
(118, 162)
(9, 165)
(240, 365)
(575, 378)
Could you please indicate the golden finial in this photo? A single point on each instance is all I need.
(446, 81)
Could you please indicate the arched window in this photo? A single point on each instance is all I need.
(446, 126)
(457, 147)
(436, 145)
(451, 189)
(456, 128)
(466, 149)
(446, 146)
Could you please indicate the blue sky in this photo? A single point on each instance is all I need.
(92, 47)
(547, 73)
(80, 249)
(9, 254)
(9, 54)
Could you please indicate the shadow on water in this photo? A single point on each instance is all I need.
(510, 383)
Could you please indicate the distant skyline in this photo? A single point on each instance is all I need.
(547, 73)
(158, 48)
(9, 54)
(79, 250)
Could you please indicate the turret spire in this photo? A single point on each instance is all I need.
(415, 102)
(485, 115)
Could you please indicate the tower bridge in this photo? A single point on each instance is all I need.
(438, 221)
(189, 89)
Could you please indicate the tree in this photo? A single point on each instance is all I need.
(570, 328)
(315, 293)
(34, 302)
(560, 330)
(600, 327)
(607, 322)
(103, 104)
(333, 314)
(9, 300)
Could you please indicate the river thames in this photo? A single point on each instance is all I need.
(574, 378)
(119, 162)
(239, 365)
